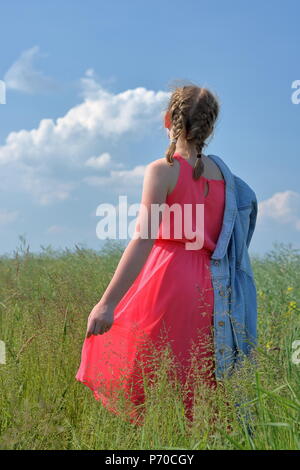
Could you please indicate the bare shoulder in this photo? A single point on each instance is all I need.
(160, 165)
(164, 174)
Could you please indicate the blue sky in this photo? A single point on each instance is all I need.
(86, 85)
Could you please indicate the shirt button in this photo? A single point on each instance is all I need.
(221, 323)
(221, 292)
(216, 262)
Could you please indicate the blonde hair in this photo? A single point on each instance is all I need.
(193, 112)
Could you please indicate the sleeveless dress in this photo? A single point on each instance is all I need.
(170, 304)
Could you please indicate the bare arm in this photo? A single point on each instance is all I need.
(155, 188)
(129, 267)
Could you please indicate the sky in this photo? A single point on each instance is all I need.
(86, 85)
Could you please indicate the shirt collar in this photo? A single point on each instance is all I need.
(230, 210)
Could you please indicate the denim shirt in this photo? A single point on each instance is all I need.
(235, 301)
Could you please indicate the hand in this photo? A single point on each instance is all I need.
(100, 319)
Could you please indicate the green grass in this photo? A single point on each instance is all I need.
(44, 303)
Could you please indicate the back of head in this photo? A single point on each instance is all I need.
(192, 112)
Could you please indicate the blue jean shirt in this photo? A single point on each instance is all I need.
(235, 301)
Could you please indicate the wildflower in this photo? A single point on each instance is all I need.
(292, 307)
(289, 289)
(269, 344)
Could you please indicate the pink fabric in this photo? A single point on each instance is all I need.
(170, 303)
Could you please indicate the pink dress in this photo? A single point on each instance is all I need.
(171, 302)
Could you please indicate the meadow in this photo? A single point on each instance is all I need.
(45, 300)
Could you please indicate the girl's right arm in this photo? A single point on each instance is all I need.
(155, 189)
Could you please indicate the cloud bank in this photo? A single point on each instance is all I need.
(43, 159)
(282, 207)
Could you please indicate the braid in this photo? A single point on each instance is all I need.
(193, 111)
(175, 111)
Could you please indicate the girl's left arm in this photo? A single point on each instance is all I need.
(155, 190)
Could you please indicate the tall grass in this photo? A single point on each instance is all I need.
(44, 303)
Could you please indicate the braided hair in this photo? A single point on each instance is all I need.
(193, 112)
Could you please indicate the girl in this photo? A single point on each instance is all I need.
(162, 294)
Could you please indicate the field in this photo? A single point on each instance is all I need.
(45, 300)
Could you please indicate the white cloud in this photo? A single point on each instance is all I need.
(283, 207)
(83, 127)
(6, 217)
(103, 161)
(41, 159)
(119, 179)
(99, 162)
(23, 76)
